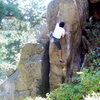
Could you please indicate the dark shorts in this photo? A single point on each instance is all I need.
(57, 43)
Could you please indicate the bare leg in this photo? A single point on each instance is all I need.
(61, 56)
(60, 53)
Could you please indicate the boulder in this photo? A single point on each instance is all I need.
(7, 89)
(74, 13)
(30, 67)
(33, 69)
(37, 60)
(31, 77)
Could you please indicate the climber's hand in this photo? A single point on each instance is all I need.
(63, 36)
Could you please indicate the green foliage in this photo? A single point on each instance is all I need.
(35, 9)
(9, 10)
(93, 30)
(14, 31)
(13, 37)
(87, 84)
(12, 10)
(10, 48)
(2, 10)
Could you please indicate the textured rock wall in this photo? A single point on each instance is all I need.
(30, 67)
(32, 76)
(74, 13)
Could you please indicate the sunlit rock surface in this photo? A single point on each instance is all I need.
(31, 77)
(74, 13)
(30, 67)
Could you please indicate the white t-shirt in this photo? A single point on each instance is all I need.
(58, 32)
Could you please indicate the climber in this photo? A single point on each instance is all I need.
(59, 32)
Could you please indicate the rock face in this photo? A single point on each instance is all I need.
(74, 13)
(30, 67)
(31, 78)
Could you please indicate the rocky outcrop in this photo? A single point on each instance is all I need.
(74, 13)
(30, 67)
(31, 78)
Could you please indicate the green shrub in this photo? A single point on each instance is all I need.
(9, 9)
(87, 84)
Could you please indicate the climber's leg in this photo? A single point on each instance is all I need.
(60, 53)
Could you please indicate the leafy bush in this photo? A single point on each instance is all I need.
(18, 33)
(9, 10)
(87, 83)
(93, 32)
(10, 48)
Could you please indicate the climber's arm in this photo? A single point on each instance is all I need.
(63, 36)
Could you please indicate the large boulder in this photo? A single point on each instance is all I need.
(74, 13)
(30, 67)
(31, 77)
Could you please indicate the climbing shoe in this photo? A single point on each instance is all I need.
(62, 61)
